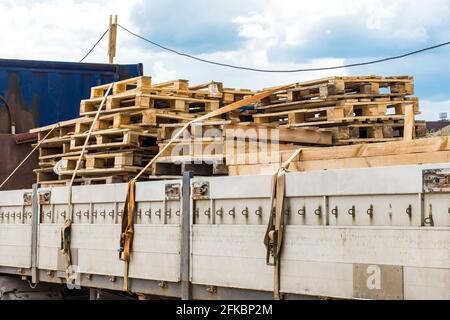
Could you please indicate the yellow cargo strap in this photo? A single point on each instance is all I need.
(127, 234)
(66, 230)
(273, 239)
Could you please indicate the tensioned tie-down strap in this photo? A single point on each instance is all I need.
(127, 234)
(66, 230)
(273, 239)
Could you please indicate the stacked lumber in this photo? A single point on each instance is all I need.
(356, 109)
(397, 153)
(207, 148)
(124, 138)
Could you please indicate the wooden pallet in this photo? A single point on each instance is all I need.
(50, 152)
(345, 86)
(132, 101)
(366, 130)
(108, 139)
(167, 131)
(247, 131)
(111, 160)
(128, 85)
(175, 87)
(128, 101)
(210, 90)
(133, 120)
(123, 164)
(64, 128)
(229, 149)
(227, 95)
(334, 101)
(345, 109)
(231, 95)
(47, 174)
(345, 121)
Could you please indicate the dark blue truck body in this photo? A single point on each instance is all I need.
(40, 93)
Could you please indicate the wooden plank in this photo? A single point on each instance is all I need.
(428, 145)
(295, 135)
(106, 171)
(71, 122)
(366, 162)
(178, 84)
(408, 131)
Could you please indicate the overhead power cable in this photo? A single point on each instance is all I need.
(98, 41)
(284, 71)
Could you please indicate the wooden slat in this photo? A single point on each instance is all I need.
(424, 146)
(366, 162)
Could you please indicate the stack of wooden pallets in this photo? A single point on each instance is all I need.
(124, 136)
(206, 148)
(139, 118)
(357, 109)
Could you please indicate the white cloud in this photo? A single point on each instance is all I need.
(65, 30)
(293, 22)
(161, 73)
(254, 27)
(57, 30)
(431, 109)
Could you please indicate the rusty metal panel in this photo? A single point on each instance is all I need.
(10, 156)
(377, 282)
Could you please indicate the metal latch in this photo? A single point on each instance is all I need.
(44, 196)
(173, 191)
(436, 180)
(27, 198)
(200, 190)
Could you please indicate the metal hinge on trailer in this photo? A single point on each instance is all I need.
(173, 191)
(436, 180)
(27, 198)
(44, 196)
(200, 190)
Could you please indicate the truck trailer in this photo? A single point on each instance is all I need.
(364, 233)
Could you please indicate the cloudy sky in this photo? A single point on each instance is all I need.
(270, 34)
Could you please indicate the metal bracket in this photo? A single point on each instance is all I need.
(436, 180)
(200, 190)
(211, 289)
(44, 196)
(28, 198)
(173, 191)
